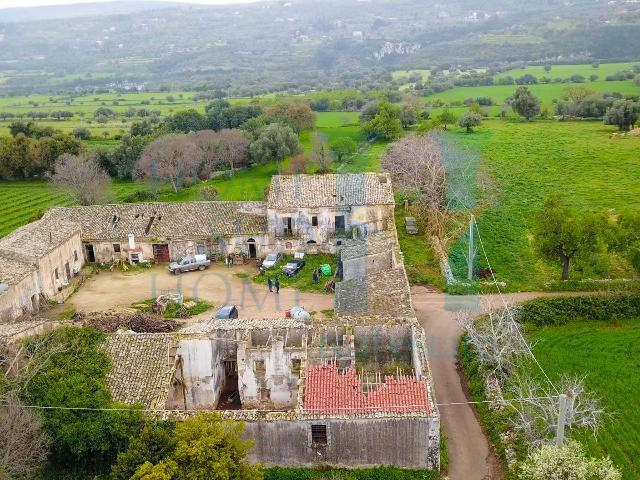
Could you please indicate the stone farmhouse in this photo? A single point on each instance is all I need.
(354, 390)
(311, 213)
(37, 262)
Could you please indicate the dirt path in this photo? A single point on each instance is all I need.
(217, 285)
(470, 457)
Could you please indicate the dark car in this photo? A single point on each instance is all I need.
(227, 312)
(292, 267)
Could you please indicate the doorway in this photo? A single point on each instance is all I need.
(252, 248)
(230, 396)
(89, 253)
(161, 252)
(35, 302)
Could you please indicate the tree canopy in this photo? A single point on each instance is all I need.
(525, 103)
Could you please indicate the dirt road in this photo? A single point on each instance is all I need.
(217, 285)
(470, 457)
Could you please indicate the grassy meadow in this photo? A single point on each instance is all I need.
(609, 355)
(524, 162)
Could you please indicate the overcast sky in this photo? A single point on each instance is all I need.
(35, 3)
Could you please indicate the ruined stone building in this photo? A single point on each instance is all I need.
(311, 213)
(37, 262)
(353, 391)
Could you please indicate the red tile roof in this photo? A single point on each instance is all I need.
(328, 391)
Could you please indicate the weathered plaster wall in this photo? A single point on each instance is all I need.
(56, 259)
(203, 371)
(411, 442)
(16, 301)
(266, 375)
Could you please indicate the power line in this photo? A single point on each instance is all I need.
(506, 306)
(345, 409)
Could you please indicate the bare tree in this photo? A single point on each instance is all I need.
(321, 153)
(228, 147)
(88, 182)
(234, 147)
(416, 165)
(538, 409)
(173, 158)
(23, 443)
(496, 339)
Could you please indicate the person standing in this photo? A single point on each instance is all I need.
(270, 283)
(315, 276)
(277, 284)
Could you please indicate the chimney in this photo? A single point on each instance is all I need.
(132, 242)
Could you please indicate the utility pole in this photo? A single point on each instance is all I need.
(562, 418)
(471, 255)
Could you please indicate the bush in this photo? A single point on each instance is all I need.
(139, 196)
(567, 461)
(560, 310)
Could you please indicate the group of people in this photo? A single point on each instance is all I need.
(273, 284)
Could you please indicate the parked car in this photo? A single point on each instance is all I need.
(227, 312)
(293, 267)
(271, 260)
(186, 264)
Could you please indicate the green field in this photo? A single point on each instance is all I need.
(609, 355)
(21, 202)
(524, 162)
(565, 71)
(546, 91)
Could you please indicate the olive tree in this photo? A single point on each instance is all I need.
(623, 113)
(525, 103)
(470, 120)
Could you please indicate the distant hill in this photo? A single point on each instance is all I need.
(117, 7)
(298, 44)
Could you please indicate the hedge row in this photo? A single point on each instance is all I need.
(379, 473)
(560, 310)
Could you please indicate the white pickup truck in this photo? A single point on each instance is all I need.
(186, 264)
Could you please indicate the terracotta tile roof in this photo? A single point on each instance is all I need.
(380, 242)
(214, 324)
(141, 370)
(166, 220)
(13, 270)
(337, 190)
(328, 391)
(36, 239)
(385, 293)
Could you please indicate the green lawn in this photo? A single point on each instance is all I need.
(565, 71)
(522, 163)
(304, 279)
(609, 355)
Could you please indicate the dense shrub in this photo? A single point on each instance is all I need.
(139, 196)
(560, 310)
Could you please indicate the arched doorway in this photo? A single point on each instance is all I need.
(252, 248)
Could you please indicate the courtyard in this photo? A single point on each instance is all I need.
(218, 285)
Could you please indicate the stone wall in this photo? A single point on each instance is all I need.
(69, 252)
(403, 441)
(20, 298)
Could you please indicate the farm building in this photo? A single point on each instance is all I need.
(353, 391)
(168, 231)
(294, 385)
(320, 211)
(38, 261)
